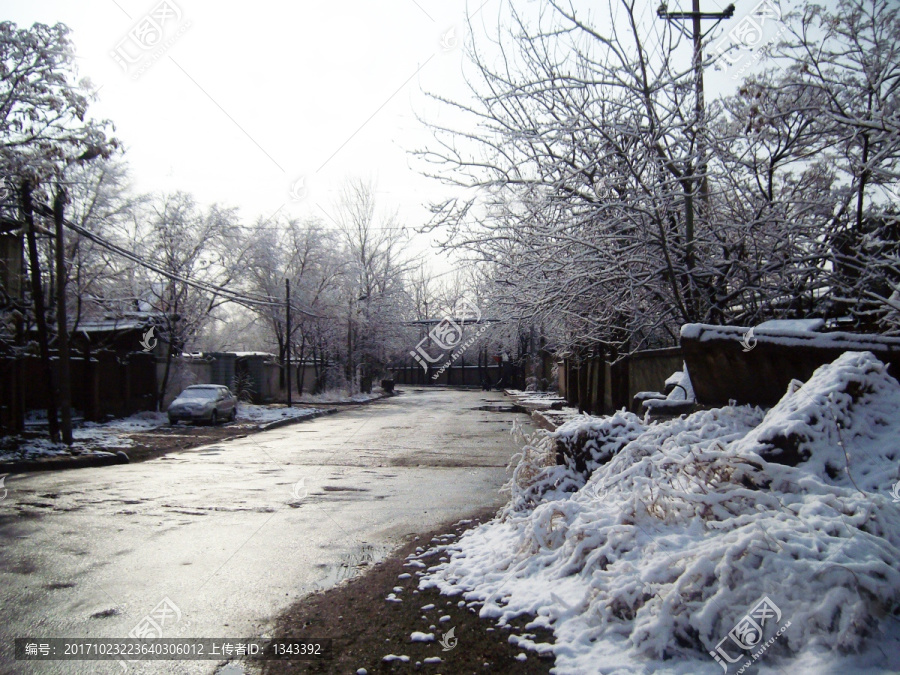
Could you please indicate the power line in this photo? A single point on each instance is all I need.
(244, 300)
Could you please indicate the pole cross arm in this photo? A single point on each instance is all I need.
(664, 13)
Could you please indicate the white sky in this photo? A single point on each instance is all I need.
(270, 92)
(251, 97)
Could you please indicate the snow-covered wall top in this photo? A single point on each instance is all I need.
(794, 324)
(756, 365)
(787, 337)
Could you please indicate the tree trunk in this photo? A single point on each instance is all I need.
(165, 382)
(40, 317)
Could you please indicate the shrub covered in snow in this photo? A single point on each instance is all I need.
(669, 544)
(589, 442)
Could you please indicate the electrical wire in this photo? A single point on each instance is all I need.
(240, 299)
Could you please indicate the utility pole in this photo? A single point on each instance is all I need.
(692, 184)
(287, 338)
(62, 334)
(40, 317)
(697, 35)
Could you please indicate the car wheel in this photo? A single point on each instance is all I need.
(234, 414)
(214, 418)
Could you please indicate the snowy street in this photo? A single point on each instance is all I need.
(232, 533)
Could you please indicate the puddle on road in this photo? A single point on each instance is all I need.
(351, 564)
(59, 585)
(502, 408)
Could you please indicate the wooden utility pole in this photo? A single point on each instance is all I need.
(697, 35)
(40, 317)
(287, 338)
(62, 333)
(696, 180)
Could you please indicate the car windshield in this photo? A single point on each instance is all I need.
(206, 394)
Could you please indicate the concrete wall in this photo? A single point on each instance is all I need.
(721, 370)
(649, 370)
(272, 390)
(183, 372)
(597, 387)
(108, 384)
(461, 376)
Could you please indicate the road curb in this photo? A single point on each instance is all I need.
(296, 420)
(327, 411)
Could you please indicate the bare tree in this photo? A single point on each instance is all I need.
(849, 59)
(375, 292)
(189, 245)
(44, 130)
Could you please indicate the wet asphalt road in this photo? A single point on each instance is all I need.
(233, 533)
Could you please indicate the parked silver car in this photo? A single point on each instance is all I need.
(204, 403)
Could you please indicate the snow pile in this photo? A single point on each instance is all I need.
(15, 448)
(841, 424)
(680, 399)
(682, 389)
(668, 545)
(589, 442)
(535, 398)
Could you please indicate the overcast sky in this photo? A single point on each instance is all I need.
(269, 105)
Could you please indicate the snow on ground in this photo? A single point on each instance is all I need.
(114, 435)
(692, 539)
(263, 414)
(341, 396)
(142, 421)
(534, 397)
(88, 436)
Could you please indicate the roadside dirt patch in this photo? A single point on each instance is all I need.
(365, 627)
(164, 440)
